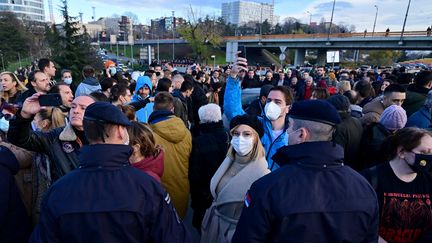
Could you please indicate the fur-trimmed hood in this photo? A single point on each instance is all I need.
(68, 134)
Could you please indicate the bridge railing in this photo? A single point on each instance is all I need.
(323, 35)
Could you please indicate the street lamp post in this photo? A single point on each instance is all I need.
(173, 34)
(19, 59)
(1, 54)
(259, 43)
(142, 37)
(331, 22)
(214, 61)
(376, 15)
(403, 27)
(157, 44)
(310, 17)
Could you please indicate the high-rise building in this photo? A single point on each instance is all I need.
(31, 10)
(166, 23)
(242, 12)
(125, 28)
(110, 25)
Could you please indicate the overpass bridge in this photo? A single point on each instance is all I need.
(410, 40)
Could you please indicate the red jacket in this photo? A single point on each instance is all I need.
(154, 166)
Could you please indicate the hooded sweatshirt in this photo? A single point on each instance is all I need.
(144, 113)
(87, 86)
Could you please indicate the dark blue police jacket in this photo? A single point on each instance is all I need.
(313, 197)
(107, 200)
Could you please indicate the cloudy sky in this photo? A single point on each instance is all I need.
(360, 13)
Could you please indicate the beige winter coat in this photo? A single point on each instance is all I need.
(221, 218)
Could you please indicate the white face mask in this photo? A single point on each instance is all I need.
(272, 111)
(113, 70)
(242, 145)
(4, 124)
(67, 80)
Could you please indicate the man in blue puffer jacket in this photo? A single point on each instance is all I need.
(277, 106)
(142, 91)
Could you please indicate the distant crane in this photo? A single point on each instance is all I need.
(81, 16)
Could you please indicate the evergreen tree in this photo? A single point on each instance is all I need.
(70, 48)
(13, 38)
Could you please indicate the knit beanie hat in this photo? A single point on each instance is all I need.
(249, 120)
(393, 118)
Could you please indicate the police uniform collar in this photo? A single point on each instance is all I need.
(315, 154)
(105, 155)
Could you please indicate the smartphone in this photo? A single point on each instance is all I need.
(243, 51)
(242, 54)
(50, 100)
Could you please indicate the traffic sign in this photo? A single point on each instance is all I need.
(282, 57)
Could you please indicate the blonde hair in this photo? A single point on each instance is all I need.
(344, 86)
(55, 117)
(19, 85)
(257, 151)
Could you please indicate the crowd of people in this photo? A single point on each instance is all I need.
(317, 156)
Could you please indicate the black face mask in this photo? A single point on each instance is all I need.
(422, 163)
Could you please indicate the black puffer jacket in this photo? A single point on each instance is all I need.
(370, 146)
(61, 144)
(349, 134)
(208, 151)
(199, 99)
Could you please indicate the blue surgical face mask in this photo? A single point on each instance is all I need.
(113, 70)
(4, 124)
(67, 80)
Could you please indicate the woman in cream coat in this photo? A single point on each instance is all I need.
(244, 164)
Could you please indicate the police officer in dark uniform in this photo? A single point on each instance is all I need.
(313, 197)
(105, 199)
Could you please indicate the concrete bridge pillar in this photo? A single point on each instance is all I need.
(322, 57)
(299, 57)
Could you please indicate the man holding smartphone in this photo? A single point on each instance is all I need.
(62, 144)
(278, 104)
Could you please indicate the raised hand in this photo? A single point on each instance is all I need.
(31, 106)
(239, 65)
